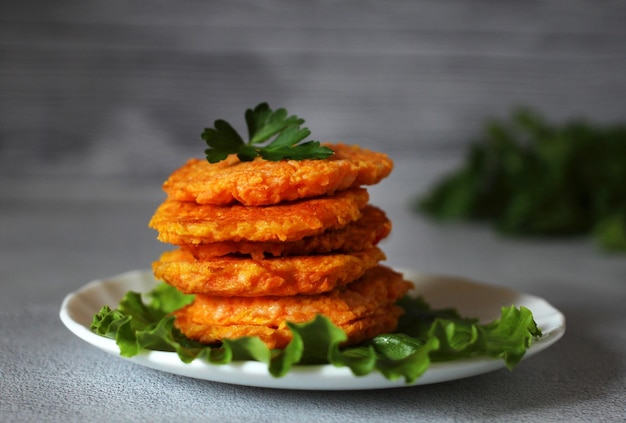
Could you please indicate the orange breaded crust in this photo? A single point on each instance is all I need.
(364, 308)
(238, 276)
(366, 232)
(262, 182)
(179, 222)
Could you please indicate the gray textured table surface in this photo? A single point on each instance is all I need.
(100, 100)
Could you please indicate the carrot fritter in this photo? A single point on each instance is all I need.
(240, 276)
(262, 182)
(363, 309)
(384, 320)
(185, 222)
(366, 232)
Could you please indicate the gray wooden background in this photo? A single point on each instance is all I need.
(106, 88)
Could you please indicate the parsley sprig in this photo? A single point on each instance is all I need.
(264, 124)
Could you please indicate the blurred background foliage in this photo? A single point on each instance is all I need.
(531, 177)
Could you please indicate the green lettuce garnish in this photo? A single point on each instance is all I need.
(424, 335)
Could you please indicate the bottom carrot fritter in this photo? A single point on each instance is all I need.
(363, 309)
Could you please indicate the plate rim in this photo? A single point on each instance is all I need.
(318, 377)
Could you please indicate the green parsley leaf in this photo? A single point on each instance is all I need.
(423, 336)
(263, 124)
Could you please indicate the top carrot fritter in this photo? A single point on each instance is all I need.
(262, 182)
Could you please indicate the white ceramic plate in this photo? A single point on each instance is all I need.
(469, 298)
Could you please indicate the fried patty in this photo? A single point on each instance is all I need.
(247, 277)
(262, 182)
(366, 232)
(185, 222)
(363, 309)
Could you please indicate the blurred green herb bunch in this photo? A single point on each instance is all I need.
(528, 176)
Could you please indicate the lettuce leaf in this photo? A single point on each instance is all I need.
(143, 322)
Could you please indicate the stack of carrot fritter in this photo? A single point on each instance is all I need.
(261, 243)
